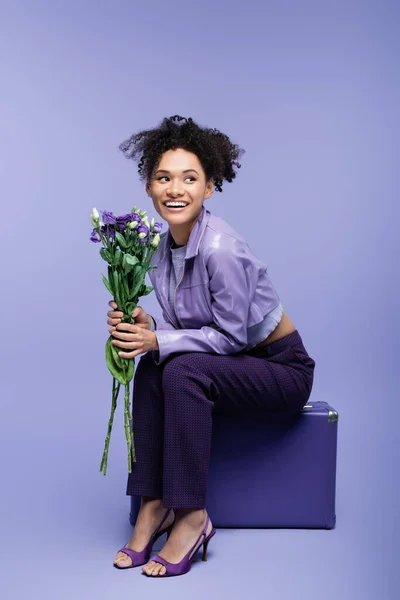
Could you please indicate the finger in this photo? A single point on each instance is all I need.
(128, 327)
(128, 345)
(137, 310)
(113, 304)
(113, 322)
(132, 354)
(129, 337)
(115, 314)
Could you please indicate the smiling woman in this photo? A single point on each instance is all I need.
(224, 345)
(182, 162)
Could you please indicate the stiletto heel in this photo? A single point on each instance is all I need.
(140, 558)
(204, 557)
(185, 564)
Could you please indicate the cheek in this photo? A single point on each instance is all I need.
(156, 206)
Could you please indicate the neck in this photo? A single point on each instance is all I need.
(181, 233)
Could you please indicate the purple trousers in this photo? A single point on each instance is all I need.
(174, 403)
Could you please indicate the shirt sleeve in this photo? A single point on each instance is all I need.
(233, 276)
(158, 324)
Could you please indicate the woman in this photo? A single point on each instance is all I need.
(225, 343)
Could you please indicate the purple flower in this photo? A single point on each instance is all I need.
(143, 229)
(108, 230)
(108, 218)
(123, 220)
(136, 217)
(157, 227)
(95, 236)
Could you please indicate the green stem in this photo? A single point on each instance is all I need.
(131, 433)
(126, 424)
(115, 392)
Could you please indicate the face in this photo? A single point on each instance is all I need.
(179, 177)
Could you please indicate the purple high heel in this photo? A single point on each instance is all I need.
(186, 563)
(140, 558)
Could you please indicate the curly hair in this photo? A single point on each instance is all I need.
(216, 153)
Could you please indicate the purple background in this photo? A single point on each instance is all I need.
(311, 91)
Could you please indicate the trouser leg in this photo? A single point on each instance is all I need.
(196, 384)
(148, 424)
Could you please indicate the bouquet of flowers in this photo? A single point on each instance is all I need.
(128, 244)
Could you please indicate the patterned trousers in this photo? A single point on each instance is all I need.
(174, 403)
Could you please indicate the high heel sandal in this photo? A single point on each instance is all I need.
(140, 558)
(185, 564)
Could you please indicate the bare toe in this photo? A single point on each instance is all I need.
(163, 570)
(122, 560)
(148, 569)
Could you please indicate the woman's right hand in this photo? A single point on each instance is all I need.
(142, 319)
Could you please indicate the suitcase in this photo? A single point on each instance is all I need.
(272, 470)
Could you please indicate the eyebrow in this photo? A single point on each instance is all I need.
(186, 171)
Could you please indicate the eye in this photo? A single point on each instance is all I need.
(166, 177)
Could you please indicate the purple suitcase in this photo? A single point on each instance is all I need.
(272, 470)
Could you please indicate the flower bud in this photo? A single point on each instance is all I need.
(152, 223)
(142, 235)
(145, 220)
(95, 217)
(156, 240)
(133, 224)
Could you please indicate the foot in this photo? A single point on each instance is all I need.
(149, 518)
(188, 526)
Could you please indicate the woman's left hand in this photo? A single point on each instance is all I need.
(133, 340)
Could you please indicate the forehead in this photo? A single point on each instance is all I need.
(179, 160)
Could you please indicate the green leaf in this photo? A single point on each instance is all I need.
(128, 262)
(116, 287)
(120, 239)
(117, 257)
(147, 290)
(105, 255)
(114, 369)
(125, 288)
(131, 259)
(107, 284)
(130, 306)
(131, 370)
(136, 287)
(124, 373)
(119, 361)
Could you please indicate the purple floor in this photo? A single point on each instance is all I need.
(59, 537)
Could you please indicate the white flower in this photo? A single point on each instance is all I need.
(95, 217)
(142, 235)
(133, 224)
(156, 240)
(145, 221)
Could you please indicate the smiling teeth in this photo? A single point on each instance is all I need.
(176, 204)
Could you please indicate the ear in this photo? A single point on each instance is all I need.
(209, 188)
(148, 188)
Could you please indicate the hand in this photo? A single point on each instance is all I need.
(136, 338)
(142, 319)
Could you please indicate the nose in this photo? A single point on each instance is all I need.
(175, 189)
